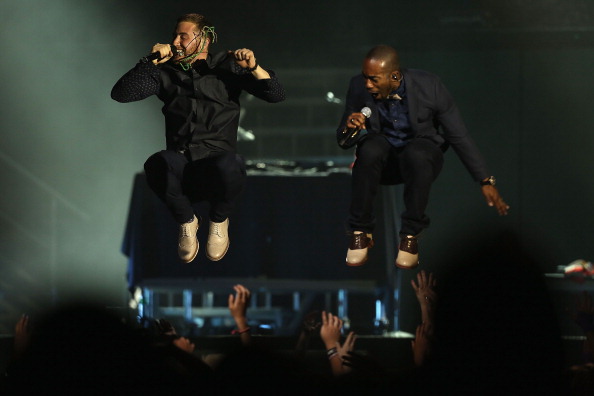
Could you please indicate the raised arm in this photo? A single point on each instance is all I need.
(238, 308)
(257, 81)
(138, 83)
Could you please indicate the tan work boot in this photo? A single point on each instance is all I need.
(218, 240)
(187, 247)
(359, 245)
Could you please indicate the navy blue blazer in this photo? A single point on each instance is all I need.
(433, 115)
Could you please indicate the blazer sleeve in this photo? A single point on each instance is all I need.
(455, 132)
(356, 98)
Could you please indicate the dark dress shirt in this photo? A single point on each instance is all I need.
(394, 117)
(201, 105)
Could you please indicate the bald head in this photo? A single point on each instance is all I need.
(381, 71)
(386, 55)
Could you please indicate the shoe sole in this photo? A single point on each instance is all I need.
(407, 266)
(223, 255)
(356, 264)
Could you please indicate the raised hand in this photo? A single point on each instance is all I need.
(246, 59)
(426, 295)
(238, 304)
(344, 349)
(164, 50)
(421, 345)
(330, 331)
(311, 323)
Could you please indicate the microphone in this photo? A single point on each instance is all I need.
(157, 55)
(350, 136)
(367, 113)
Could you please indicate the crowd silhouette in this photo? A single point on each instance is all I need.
(487, 327)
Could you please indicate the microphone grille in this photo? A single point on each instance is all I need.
(176, 51)
(366, 111)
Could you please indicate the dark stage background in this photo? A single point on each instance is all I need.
(69, 155)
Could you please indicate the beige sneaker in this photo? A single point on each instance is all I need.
(187, 247)
(218, 240)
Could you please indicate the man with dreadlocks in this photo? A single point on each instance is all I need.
(200, 92)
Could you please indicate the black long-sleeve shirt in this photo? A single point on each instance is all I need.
(201, 105)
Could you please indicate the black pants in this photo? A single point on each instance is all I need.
(416, 165)
(180, 182)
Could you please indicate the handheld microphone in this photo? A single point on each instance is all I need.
(350, 136)
(367, 113)
(157, 55)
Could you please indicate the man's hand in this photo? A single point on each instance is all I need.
(425, 288)
(238, 306)
(246, 59)
(356, 120)
(164, 50)
(184, 344)
(310, 322)
(330, 331)
(238, 303)
(494, 199)
(426, 295)
(421, 345)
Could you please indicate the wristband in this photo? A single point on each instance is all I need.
(331, 353)
(251, 69)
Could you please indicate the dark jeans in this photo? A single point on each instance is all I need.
(377, 162)
(179, 183)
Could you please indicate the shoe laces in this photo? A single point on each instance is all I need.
(186, 230)
(216, 229)
(409, 244)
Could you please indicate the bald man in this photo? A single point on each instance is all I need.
(413, 121)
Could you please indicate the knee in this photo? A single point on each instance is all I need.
(422, 154)
(164, 161)
(231, 165)
(155, 164)
(371, 153)
(421, 169)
